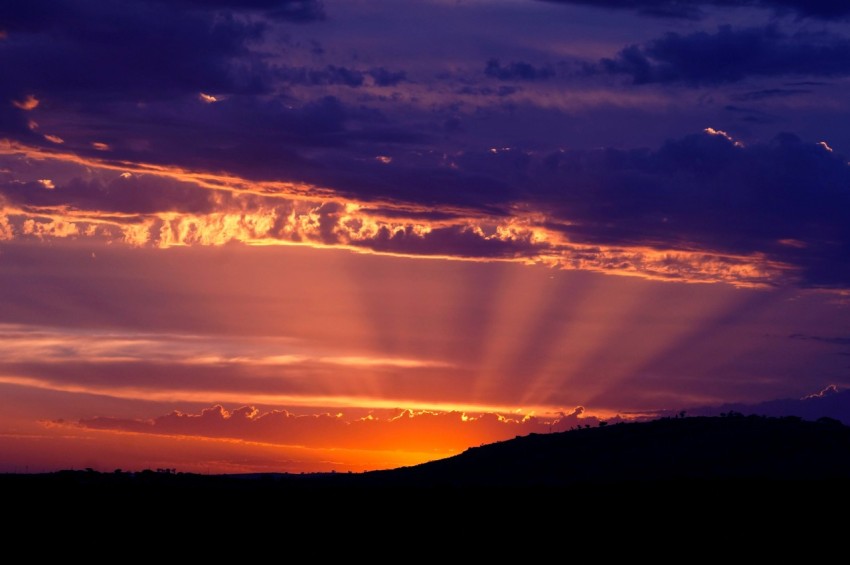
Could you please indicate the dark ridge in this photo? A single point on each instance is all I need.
(702, 452)
(700, 449)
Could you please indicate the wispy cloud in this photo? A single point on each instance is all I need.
(36, 345)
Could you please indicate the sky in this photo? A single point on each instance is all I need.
(296, 236)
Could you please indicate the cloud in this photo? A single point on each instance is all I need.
(834, 340)
(149, 49)
(501, 92)
(831, 402)
(828, 391)
(39, 15)
(757, 95)
(384, 77)
(454, 241)
(693, 9)
(128, 195)
(730, 55)
(517, 70)
(703, 207)
(45, 345)
(27, 104)
(707, 192)
(386, 429)
(299, 11)
(751, 115)
(333, 75)
(329, 75)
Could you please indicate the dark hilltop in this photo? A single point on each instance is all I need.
(695, 451)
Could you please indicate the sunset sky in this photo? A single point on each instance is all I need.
(293, 235)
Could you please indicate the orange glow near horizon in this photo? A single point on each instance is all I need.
(106, 450)
(496, 350)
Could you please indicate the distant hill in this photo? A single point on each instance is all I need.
(734, 447)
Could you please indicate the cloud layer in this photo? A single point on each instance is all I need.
(416, 430)
(704, 207)
(231, 124)
(731, 55)
(694, 9)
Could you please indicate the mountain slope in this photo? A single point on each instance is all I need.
(701, 448)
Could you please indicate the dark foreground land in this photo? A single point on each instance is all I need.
(756, 454)
(719, 488)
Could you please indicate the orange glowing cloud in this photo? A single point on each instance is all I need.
(724, 135)
(27, 104)
(5, 228)
(279, 213)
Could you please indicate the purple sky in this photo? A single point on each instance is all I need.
(500, 206)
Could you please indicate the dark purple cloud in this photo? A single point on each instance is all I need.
(788, 199)
(430, 183)
(299, 11)
(517, 70)
(730, 55)
(80, 51)
(124, 194)
(758, 95)
(831, 402)
(454, 241)
(751, 115)
(832, 340)
(345, 76)
(148, 50)
(255, 137)
(42, 15)
(501, 92)
(693, 9)
(384, 77)
(131, 77)
(329, 75)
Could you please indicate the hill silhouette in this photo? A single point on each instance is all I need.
(830, 402)
(671, 451)
(733, 447)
